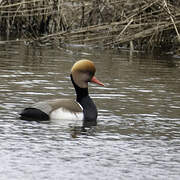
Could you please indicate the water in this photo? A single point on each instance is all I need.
(137, 136)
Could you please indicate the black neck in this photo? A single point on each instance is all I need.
(80, 92)
(89, 108)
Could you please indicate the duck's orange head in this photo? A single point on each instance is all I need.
(83, 71)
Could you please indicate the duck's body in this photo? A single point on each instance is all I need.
(82, 109)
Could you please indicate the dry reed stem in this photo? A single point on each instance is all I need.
(172, 19)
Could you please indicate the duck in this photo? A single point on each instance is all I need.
(81, 109)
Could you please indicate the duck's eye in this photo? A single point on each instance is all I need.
(90, 73)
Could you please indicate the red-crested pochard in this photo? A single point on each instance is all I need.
(83, 108)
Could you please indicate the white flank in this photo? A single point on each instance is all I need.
(64, 117)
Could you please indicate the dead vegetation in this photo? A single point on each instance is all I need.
(141, 24)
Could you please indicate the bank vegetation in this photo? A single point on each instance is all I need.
(140, 25)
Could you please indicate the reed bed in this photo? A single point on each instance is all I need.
(141, 24)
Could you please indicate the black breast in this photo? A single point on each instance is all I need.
(90, 111)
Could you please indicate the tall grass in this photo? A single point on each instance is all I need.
(142, 24)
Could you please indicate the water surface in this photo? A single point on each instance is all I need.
(137, 136)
